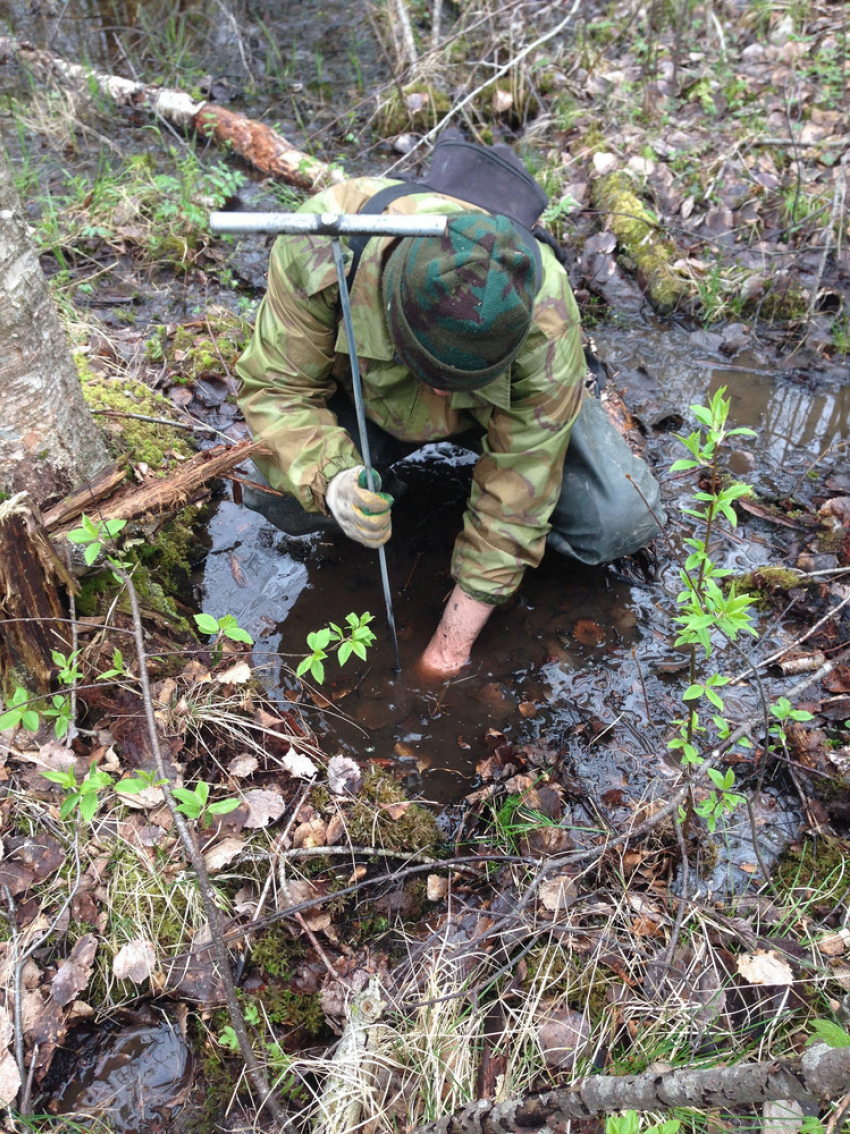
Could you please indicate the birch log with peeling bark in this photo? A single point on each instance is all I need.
(822, 1073)
(259, 145)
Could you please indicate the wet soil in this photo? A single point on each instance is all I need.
(580, 666)
(581, 662)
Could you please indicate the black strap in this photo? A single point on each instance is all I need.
(374, 206)
(384, 197)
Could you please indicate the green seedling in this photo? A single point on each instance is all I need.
(629, 1123)
(225, 627)
(69, 673)
(356, 638)
(83, 796)
(118, 669)
(138, 783)
(706, 609)
(19, 712)
(194, 803)
(830, 1033)
(93, 534)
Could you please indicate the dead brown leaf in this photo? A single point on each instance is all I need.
(765, 967)
(223, 853)
(335, 831)
(396, 810)
(563, 1034)
(299, 765)
(838, 507)
(437, 886)
(264, 806)
(558, 893)
(237, 674)
(73, 975)
(135, 961)
(834, 944)
(344, 776)
(312, 834)
(10, 1078)
(839, 680)
(243, 766)
(588, 632)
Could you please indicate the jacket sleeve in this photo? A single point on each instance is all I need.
(286, 374)
(517, 480)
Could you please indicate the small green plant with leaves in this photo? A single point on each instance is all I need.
(830, 1033)
(280, 1062)
(705, 607)
(20, 711)
(81, 796)
(782, 712)
(93, 534)
(629, 1123)
(355, 639)
(194, 803)
(224, 627)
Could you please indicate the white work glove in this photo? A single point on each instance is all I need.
(364, 516)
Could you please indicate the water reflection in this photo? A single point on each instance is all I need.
(795, 422)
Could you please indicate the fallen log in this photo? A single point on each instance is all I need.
(256, 143)
(822, 1073)
(646, 250)
(156, 499)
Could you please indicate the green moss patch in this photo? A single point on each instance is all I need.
(208, 348)
(374, 820)
(145, 442)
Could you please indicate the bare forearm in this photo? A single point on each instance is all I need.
(463, 620)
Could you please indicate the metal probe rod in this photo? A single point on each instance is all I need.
(336, 225)
(365, 452)
(327, 224)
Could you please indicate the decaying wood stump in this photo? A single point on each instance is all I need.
(30, 603)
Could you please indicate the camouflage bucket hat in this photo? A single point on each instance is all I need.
(459, 305)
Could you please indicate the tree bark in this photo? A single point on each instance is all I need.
(49, 441)
(821, 1073)
(256, 143)
(30, 573)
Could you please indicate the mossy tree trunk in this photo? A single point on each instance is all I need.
(49, 441)
(30, 602)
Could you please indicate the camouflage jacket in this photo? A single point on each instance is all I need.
(298, 355)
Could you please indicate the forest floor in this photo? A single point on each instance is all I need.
(535, 931)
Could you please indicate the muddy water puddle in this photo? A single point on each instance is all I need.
(580, 664)
(138, 1075)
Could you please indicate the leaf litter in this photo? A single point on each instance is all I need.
(592, 953)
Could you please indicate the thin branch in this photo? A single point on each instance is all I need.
(219, 948)
(503, 70)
